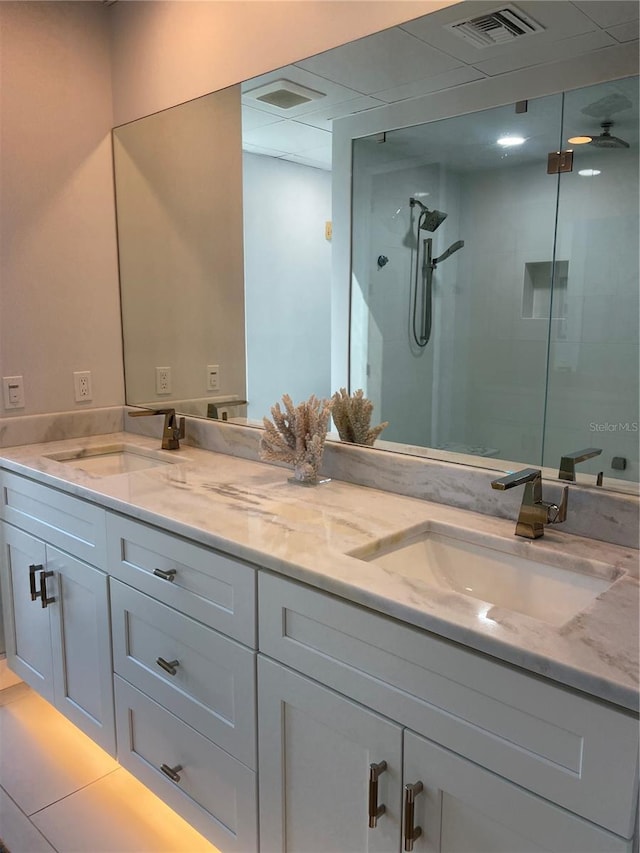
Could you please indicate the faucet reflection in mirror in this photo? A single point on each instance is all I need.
(297, 436)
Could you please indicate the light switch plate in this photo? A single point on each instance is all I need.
(13, 387)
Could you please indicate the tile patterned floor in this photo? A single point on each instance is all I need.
(60, 793)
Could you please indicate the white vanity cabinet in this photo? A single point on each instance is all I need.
(507, 762)
(56, 609)
(184, 627)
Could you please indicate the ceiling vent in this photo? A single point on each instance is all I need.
(284, 94)
(501, 26)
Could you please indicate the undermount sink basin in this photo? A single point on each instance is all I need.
(550, 593)
(113, 459)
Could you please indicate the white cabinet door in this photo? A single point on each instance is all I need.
(27, 629)
(463, 808)
(315, 753)
(81, 642)
(61, 649)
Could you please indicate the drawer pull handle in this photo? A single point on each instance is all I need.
(172, 772)
(170, 666)
(375, 810)
(411, 833)
(168, 575)
(42, 595)
(32, 580)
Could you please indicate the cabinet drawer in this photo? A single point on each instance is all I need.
(209, 586)
(213, 688)
(69, 523)
(571, 750)
(215, 793)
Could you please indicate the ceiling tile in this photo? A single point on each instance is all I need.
(608, 13)
(288, 136)
(456, 77)
(324, 118)
(380, 61)
(624, 32)
(252, 118)
(534, 54)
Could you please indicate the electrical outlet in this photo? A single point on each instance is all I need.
(213, 377)
(82, 385)
(13, 392)
(163, 380)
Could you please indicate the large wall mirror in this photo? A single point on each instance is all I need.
(354, 220)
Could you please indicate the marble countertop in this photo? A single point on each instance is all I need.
(251, 511)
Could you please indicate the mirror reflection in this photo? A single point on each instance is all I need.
(494, 305)
(477, 324)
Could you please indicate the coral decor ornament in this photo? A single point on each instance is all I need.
(352, 417)
(297, 436)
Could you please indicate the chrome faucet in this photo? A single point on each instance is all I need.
(534, 512)
(172, 431)
(568, 463)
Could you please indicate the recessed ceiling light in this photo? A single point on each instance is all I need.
(508, 141)
(589, 173)
(579, 140)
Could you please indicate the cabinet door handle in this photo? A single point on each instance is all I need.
(375, 810)
(32, 580)
(411, 832)
(170, 666)
(172, 772)
(168, 575)
(42, 595)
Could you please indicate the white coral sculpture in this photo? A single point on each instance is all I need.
(352, 417)
(297, 436)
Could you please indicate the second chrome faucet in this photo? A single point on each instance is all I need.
(172, 430)
(534, 512)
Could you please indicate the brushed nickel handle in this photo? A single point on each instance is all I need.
(170, 666)
(42, 595)
(411, 832)
(32, 580)
(375, 810)
(168, 575)
(172, 772)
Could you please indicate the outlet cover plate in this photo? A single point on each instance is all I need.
(82, 386)
(163, 380)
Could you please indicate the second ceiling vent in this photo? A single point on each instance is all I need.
(501, 26)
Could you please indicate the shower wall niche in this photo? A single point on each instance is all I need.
(534, 345)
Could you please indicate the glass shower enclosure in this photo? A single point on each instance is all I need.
(494, 301)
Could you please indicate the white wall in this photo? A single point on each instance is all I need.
(179, 200)
(58, 266)
(165, 53)
(287, 281)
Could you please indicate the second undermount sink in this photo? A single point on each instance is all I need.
(112, 459)
(549, 593)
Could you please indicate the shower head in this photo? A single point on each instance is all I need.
(606, 140)
(429, 220)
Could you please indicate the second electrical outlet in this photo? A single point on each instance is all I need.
(82, 386)
(163, 380)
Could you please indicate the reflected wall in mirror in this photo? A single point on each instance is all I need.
(505, 324)
(178, 181)
(297, 280)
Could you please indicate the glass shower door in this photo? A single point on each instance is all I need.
(450, 341)
(592, 396)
